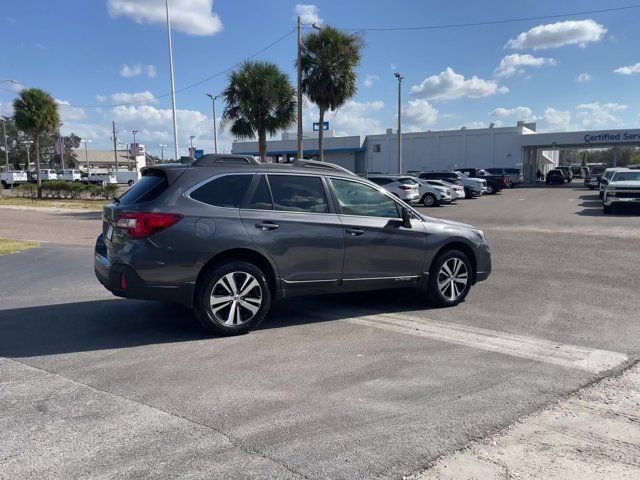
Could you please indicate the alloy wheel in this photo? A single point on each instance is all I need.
(452, 279)
(236, 298)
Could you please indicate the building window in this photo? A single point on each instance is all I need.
(376, 148)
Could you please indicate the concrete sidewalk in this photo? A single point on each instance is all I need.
(593, 434)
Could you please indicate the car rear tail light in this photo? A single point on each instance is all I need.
(504, 180)
(142, 225)
(406, 187)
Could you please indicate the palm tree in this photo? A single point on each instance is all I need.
(259, 101)
(328, 62)
(35, 112)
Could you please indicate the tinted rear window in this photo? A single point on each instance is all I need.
(148, 188)
(227, 191)
(512, 170)
(298, 193)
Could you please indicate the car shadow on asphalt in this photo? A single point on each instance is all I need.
(592, 207)
(120, 323)
(82, 215)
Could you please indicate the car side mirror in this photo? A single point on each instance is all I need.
(406, 218)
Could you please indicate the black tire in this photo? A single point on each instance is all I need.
(433, 291)
(212, 279)
(607, 209)
(130, 182)
(467, 193)
(600, 195)
(429, 200)
(490, 189)
(592, 188)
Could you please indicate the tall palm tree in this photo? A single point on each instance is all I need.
(260, 100)
(35, 112)
(328, 62)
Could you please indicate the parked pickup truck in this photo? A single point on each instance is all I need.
(100, 179)
(13, 178)
(622, 189)
(495, 183)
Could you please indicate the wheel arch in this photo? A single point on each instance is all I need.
(242, 254)
(464, 248)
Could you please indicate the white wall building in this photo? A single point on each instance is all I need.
(519, 146)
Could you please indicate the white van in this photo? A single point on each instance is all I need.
(45, 174)
(71, 175)
(127, 177)
(13, 178)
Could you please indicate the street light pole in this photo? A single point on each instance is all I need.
(400, 78)
(161, 145)
(6, 144)
(61, 143)
(300, 151)
(86, 153)
(215, 122)
(134, 151)
(173, 88)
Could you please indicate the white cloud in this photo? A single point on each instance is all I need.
(597, 115)
(123, 97)
(353, 118)
(449, 85)
(308, 14)
(392, 66)
(516, 63)
(511, 114)
(136, 70)
(558, 34)
(418, 114)
(69, 113)
(583, 78)
(555, 120)
(194, 17)
(628, 70)
(369, 80)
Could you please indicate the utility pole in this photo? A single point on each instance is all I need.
(6, 144)
(215, 122)
(115, 144)
(173, 88)
(300, 150)
(400, 78)
(134, 151)
(86, 153)
(61, 143)
(162, 145)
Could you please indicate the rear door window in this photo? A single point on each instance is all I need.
(261, 198)
(148, 188)
(297, 193)
(226, 191)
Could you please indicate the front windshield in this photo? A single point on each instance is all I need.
(626, 177)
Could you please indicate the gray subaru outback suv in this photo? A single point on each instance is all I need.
(226, 235)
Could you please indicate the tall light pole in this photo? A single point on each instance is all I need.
(300, 151)
(115, 144)
(173, 88)
(6, 144)
(215, 121)
(191, 150)
(134, 150)
(61, 143)
(162, 146)
(86, 152)
(400, 78)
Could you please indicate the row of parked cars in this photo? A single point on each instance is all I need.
(435, 188)
(616, 186)
(17, 177)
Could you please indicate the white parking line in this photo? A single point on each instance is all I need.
(565, 355)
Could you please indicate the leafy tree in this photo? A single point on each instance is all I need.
(259, 101)
(328, 62)
(36, 113)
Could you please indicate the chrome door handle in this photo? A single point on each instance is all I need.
(267, 226)
(354, 232)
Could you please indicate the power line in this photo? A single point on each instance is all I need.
(492, 22)
(200, 82)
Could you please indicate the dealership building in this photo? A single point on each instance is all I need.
(518, 146)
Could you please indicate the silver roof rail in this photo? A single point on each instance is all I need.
(213, 159)
(315, 164)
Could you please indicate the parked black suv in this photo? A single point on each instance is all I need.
(226, 235)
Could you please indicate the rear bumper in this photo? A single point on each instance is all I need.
(123, 281)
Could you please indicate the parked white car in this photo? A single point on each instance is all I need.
(125, 176)
(429, 191)
(71, 175)
(402, 186)
(13, 178)
(457, 191)
(623, 189)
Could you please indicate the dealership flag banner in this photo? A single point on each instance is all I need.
(59, 145)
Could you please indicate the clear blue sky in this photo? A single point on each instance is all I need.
(104, 52)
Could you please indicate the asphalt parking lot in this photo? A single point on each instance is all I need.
(350, 386)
